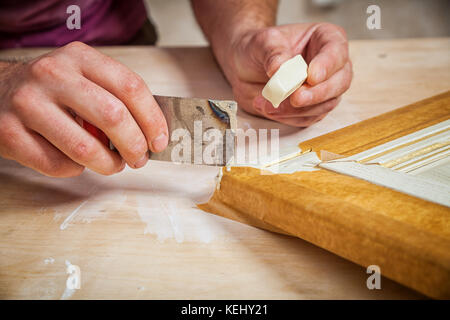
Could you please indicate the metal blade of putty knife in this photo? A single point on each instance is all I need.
(202, 131)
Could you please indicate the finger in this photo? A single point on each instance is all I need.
(262, 108)
(33, 151)
(60, 129)
(328, 53)
(131, 90)
(287, 111)
(331, 88)
(300, 122)
(102, 109)
(271, 49)
(245, 94)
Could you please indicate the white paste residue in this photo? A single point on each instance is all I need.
(289, 160)
(304, 162)
(49, 260)
(162, 195)
(219, 178)
(68, 292)
(71, 216)
(94, 208)
(167, 219)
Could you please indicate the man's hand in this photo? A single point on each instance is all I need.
(249, 48)
(37, 99)
(256, 56)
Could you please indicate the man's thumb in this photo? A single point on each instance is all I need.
(274, 49)
(274, 61)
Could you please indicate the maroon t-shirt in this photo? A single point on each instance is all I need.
(42, 23)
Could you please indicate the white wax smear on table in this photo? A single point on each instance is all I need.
(163, 195)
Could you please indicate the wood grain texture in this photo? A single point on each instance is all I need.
(408, 238)
(383, 128)
(122, 237)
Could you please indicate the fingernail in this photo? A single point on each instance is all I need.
(160, 142)
(305, 96)
(141, 162)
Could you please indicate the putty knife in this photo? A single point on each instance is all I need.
(201, 131)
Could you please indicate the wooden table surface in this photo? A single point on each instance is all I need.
(138, 234)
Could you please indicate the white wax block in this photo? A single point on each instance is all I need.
(288, 78)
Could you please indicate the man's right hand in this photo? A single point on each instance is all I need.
(38, 130)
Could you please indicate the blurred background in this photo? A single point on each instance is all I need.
(176, 24)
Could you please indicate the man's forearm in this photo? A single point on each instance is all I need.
(223, 21)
